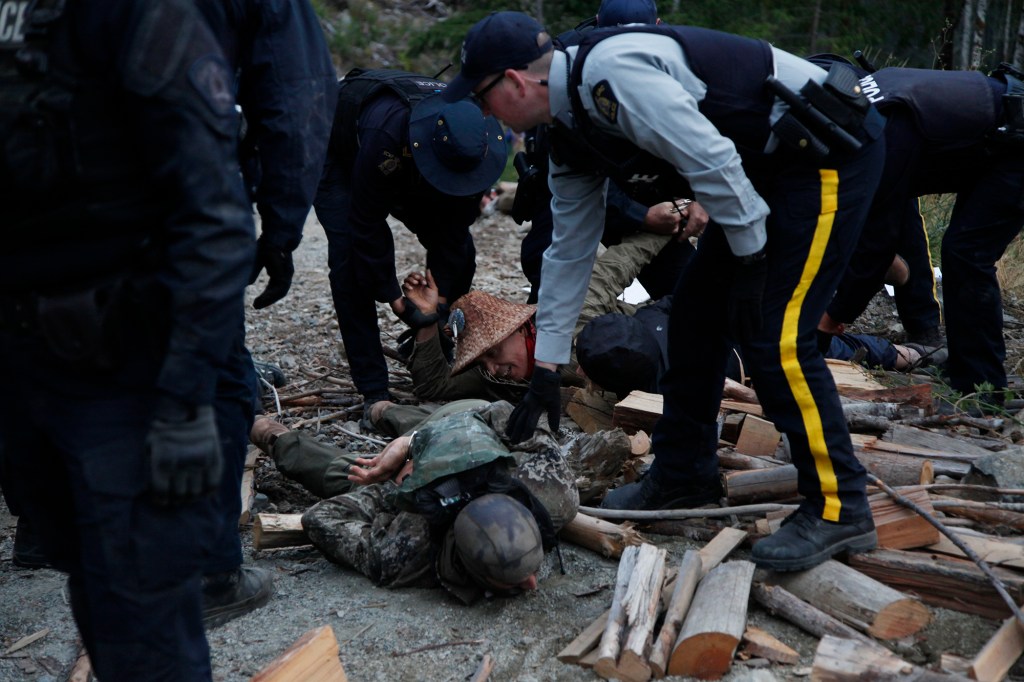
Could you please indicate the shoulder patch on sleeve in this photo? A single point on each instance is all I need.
(211, 78)
(390, 164)
(605, 101)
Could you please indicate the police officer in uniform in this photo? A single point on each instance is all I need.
(129, 243)
(787, 188)
(287, 89)
(399, 150)
(949, 132)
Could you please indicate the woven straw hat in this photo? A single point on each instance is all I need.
(489, 320)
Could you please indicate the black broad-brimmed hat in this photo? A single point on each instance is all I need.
(456, 148)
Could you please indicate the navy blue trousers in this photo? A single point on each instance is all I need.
(816, 217)
(451, 258)
(72, 441)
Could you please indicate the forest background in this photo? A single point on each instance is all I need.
(424, 36)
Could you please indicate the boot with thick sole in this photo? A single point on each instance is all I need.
(227, 596)
(806, 540)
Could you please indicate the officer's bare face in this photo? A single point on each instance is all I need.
(513, 98)
(508, 359)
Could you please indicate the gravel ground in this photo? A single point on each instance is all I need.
(408, 634)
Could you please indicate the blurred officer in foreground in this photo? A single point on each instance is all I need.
(129, 243)
(786, 186)
(286, 88)
(396, 148)
(956, 132)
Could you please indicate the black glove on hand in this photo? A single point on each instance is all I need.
(279, 267)
(183, 448)
(416, 318)
(744, 306)
(543, 396)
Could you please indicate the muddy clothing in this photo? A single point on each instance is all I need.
(364, 529)
(614, 270)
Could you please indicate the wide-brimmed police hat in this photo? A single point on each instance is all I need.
(456, 148)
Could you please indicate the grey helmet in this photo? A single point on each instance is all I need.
(498, 541)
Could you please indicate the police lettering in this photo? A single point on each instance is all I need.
(871, 89)
(431, 84)
(637, 178)
(12, 22)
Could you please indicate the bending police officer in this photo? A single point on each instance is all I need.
(764, 280)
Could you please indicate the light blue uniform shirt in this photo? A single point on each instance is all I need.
(657, 96)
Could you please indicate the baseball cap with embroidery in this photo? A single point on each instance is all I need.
(499, 41)
(620, 12)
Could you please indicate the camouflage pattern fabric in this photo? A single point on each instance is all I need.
(363, 530)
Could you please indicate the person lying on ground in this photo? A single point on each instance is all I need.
(501, 507)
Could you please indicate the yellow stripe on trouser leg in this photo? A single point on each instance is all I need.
(788, 351)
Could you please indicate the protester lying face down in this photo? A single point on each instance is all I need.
(468, 513)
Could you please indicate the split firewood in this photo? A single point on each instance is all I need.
(1002, 650)
(943, 581)
(758, 437)
(313, 658)
(711, 555)
(951, 663)
(758, 643)
(622, 653)
(714, 623)
(899, 527)
(640, 444)
(915, 395)
(611, 639)
(606, 538)
(733, 390)
(843, 660)
(758, 485)
(689, 573)
(847, 375)
(857, 599)
(585, 642)
(895, 469)
(732, 424)
(247, 489)
(994, 550)
(993, 517)
(273, 531)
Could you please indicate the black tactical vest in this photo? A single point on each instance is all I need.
(737, 102)
(360, 86)
(952, 108)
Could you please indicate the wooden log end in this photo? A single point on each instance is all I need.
(605, 667)
(899, 619)
(632, 668)
(706, 656)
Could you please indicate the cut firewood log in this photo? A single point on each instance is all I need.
(857, 599)
(711, 555)
(915, 395)
(782, 602)
(313, 658)
(247, 490)
(951, 663)
(995, 659)
(729, 459)
(272, 531)
(899, 527)
(993, 550)
(990, 516)
(639, 444)
(714, 624)
(934, 441)
(843, 660)
(732, 423)
(896, 469)
(846, 375)
(610, 647)
(604, 537)
(639, 411)
(733, 390)
(942, 581)
(622, 653)
(690, 570)
(758, 643)
(590, 410)
(758, 485)
(757, 437)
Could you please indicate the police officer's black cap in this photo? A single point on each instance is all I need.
(456, 148)
(621, 12)
(499, 41)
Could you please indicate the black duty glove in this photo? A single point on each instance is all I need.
(744, 306)
(416, 318)
(543, 396)
(183, 448)
(279, 267)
